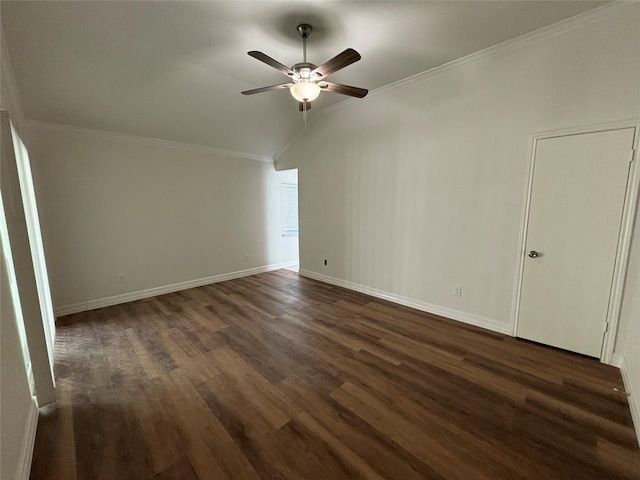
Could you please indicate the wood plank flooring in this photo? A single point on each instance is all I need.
(276, 376)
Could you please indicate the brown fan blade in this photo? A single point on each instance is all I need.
(344, 89)
(271, 62)
(266, 89)
(341, 60)
(302, 106)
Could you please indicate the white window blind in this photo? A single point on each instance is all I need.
(289, 194)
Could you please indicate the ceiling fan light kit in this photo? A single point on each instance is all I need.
(308, 79)
(305, 91)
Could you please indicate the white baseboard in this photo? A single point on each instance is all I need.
(26, 455)
(464, 317)
(619, 361)
(154, 292)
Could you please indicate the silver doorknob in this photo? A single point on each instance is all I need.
(533, 254)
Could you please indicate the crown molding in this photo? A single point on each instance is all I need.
(106, 135)
(544, 33)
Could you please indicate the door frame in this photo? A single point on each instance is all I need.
(626, 226)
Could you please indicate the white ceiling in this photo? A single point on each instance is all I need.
(174, 70)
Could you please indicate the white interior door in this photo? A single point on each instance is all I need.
(575, 212)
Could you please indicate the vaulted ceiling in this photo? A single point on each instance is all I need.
(174, 70)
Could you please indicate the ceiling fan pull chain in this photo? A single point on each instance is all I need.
(304, 116)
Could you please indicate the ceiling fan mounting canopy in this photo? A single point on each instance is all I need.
(308, 78)
(304, 29)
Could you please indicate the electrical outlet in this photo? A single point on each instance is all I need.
(121, 278)
(247, 258)
(457, 291)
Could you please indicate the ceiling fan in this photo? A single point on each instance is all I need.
(308, 79)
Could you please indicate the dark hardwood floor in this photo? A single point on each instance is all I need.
(280, 377)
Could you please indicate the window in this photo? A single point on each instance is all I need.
(289, 195)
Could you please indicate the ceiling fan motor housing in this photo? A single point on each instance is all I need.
(304, 69)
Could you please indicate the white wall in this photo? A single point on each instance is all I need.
(419, 188)
(158, 212)
(627, 349)
(18, 412)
